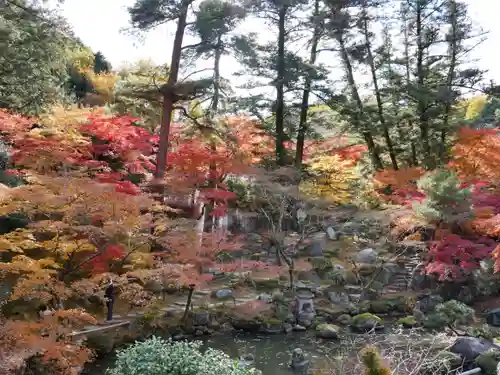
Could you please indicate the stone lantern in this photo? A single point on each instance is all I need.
(304, 305)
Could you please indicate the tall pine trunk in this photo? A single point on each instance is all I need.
(168, 96)
(452, 45)
(367, 135)
(303, 126)
(214, 109)
(422, 100)
(280, 88)
(380, 109)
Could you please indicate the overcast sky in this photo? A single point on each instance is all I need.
(99, 23)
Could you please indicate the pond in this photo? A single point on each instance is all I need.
(272, 353)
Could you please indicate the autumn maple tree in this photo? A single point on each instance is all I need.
(90, 217)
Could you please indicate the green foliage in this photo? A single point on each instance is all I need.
(163, 357)
(445, 199)
(450, 314)
(33, 58)
(137, 91)
(244, 190)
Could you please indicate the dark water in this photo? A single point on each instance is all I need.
(272, 353)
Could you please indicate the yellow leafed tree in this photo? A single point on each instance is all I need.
(332, 179)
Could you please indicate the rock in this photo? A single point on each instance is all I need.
(304, 322)
(381, 307)
(272, 326)
(469, 348)
(351, 228)
(267, 283)
(367, 256)
(317, 245)
(428, 303)
(299, 328)
(201, 318)
(331, 234)
(339, 298)
(488, 361)
(493, 317)
(223, 294)
(299, 362)
(246, 361)
(287, 327)
(310, 276)
(327, 331)
(247, 324)
(407, 321)
(366, 322)
(344, 319)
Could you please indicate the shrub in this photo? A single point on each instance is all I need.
(446, 200)
(164, 357)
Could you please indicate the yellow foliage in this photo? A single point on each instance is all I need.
(82, 59)
(475, 106)
(104, 84)
(333, 179)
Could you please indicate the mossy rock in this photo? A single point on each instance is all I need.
(381, 307)
(488, 361)
(407, 321)
(363, 306)
(327, 331)
(366, 322)
(267, 283)
(344, 319)
(247, 324)
(273, 321)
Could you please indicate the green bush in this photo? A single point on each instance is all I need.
(165, 357)
(445, 199)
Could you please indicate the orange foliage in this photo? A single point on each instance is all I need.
(402, 179)
(476, 155)
(47, 339)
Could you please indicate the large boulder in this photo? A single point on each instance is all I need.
(469, 348)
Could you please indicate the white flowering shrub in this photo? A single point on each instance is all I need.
(165, 357)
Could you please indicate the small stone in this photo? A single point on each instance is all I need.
(299, 328)
(332, 235)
